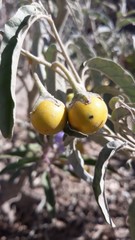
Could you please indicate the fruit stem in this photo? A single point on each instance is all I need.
(57, 67)
(41, 88)
(51, 22)
(77, 87)
(42, 61)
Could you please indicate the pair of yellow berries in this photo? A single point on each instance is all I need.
(50, 115)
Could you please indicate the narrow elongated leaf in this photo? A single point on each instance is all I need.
(101, 17)
(120, 113)
(49, 194)
(77, 162)
(75, 9)
(14, 34)
(11, 27)
(99, 177)
(113, 102)
(125, 22)
(50, 56)
(83, 45)
(131, 213)
(13, 167)
(71, 132)
(116, 73)
(107, 89)
(92, 162)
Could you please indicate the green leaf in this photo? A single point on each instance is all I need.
(84, 46)
(107, 89)
(119, 113)
(92, 162)
(101, 17)
(125, 22)
(77, 162)
(129, 61)
(131, 213)
(55, 83)
(73, 133)
(49, 193)
(50, 56)
(116, 73)
(24, 150)
(13, 167)
(100, 170)
(51, 52)
(15, 32)
(11, 27)
(75, 9)
(113, 101)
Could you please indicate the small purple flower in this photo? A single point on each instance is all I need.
(58, 140)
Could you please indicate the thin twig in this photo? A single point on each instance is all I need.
(55, 66)
(43, 62)
(78, 79)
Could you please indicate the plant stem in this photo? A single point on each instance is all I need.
(78, 79)
(56, 66)
(75, 85)
(118, 136)
(42, 61)
(40, 86)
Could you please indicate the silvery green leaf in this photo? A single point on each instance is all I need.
(77, 162)
(116, 73)
(14, 34)
(99, 177)
(73, 133)
(49, 193)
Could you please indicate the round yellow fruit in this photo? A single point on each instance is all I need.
(49, 116)
(88, 117)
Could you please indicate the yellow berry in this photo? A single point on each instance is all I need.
(87, 117)
(49, 116)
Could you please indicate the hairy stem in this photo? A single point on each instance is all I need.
(55, 66)
(42, 61)
(55, 32)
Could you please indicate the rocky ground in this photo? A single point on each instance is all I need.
(23, 215)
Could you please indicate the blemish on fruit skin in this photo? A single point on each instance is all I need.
(91, 117)
(88, 118)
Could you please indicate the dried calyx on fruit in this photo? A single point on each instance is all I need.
(69, 98)
(87, 113)
(49, 115)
